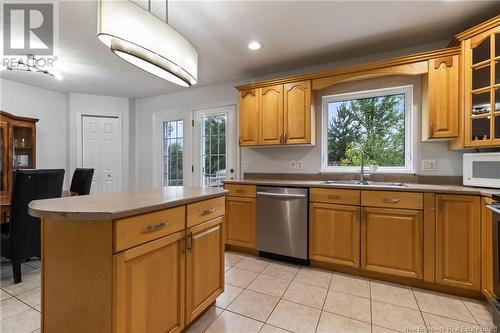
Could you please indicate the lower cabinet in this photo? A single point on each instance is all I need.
(240, 221)
(392, 241)
(149, 288)
(204, 266)
(458, 255)
(334, 234)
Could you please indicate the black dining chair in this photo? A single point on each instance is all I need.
(20, 238)
(81, 181)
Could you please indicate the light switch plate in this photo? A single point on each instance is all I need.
(300, 165)
(293, 165)
(429, 165)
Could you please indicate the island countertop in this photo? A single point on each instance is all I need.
(110, 206)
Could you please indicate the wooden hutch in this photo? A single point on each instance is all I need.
(18, 147)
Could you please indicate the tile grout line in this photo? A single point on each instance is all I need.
(324, 301)
(371, 315)
(419, 310)
(470, 312)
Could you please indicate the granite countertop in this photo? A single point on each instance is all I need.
(109, 206)
(411, 187)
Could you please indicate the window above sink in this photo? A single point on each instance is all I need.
(375, 122)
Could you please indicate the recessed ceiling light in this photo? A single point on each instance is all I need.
(254, 45)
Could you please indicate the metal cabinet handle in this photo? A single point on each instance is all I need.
(390, 200)
(281, 195)
(154, 227)
(208, 211)
(240, 191)
(334, 196)
(285, 138)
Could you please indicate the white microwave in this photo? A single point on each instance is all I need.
(482, 169)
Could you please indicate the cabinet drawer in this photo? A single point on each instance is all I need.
(205, 210)
(239, 190)
(390, 199)
(336, 196)
(136, 230)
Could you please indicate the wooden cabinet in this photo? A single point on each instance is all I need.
(334, 234)
(440, 111)
(486, 249)
(240, 221)
(392, 241)
(481, 70)
(271, 115)
(18, 146)
(298, 113)
(277, 115)
(149, 290)
(249, 118)
(458, 257)
(204, 266)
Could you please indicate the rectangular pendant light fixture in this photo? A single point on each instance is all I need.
(144, 40)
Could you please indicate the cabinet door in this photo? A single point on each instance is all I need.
(297, 112)
(391, 241)
(240, 221)
(481, 73)
(149, 290)
(458, 257)
(442, 99)
(486, 250)
(334, 234)
(204, 266)
(271, 115)
(249, 118)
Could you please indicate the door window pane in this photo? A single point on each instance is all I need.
(480, 129)
(497, 45)
(173, 145)
(481, 77)
(481, 52)
(213, 145)
(481, 103)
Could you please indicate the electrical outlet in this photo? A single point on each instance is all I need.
(429, 165)
(293, 165)
(300, 165)
(247, 165)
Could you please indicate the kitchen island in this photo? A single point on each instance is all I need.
(149, 261)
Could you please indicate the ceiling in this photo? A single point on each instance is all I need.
(293, 34)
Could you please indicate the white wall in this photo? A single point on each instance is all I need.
(270, 159)
(57, 129)
(46, 105)
(80, 105)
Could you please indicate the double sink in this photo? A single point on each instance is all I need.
(364, 183)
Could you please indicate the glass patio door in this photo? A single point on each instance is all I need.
(214, 146)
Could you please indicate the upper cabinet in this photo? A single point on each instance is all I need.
(271, 115)
(277, 115)
(249, 118)
(441, 112)
(298, 113)
(482, 88)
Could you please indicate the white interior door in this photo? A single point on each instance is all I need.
(102, 151)
(214, 145)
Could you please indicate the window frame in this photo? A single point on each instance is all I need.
(407, 90)
(162, 167)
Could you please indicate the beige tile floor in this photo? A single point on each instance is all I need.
(271, 297)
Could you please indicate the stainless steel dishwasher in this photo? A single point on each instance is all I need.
(282, 221)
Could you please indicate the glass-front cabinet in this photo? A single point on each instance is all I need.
(482, 89)
(18, 146)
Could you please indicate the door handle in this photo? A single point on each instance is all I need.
(189, 240)
(154, 227)
(281, 195)
(208, 211)
(390, 200)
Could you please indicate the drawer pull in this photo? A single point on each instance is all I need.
(390, 200)
(334, 196)
(240, 191)
(208, 211)
(154, 227)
